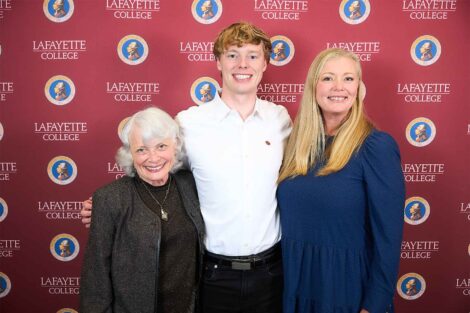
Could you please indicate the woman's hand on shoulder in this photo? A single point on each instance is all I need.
(86, 212)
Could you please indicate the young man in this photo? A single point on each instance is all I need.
(234, 146)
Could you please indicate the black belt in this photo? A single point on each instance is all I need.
(246, 262)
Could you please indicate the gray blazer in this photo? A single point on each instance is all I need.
(120, 270)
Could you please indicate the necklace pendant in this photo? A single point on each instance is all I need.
(164, 215)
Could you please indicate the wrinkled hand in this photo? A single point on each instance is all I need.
(86, 212)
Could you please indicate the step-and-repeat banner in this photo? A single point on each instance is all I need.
(72, 70)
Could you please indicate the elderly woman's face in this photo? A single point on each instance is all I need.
(153, 159)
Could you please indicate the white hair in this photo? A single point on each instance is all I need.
(153, 123)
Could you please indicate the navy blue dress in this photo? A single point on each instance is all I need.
(341, 233)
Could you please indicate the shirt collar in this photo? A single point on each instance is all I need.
(258, 109)
(222, 110)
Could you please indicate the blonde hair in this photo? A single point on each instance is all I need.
(306, 144)
(239, 34)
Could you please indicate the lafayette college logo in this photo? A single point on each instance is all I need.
(64, 247)
(59, 90)
(5, 285)
(132, 49)
(417, 210)
(204, 89)
(425, 50)
(283, 50)
(62, 170)
(3, 210)
(58, 11)
(411, 286)
(420, 132)
(206, 11)
(354, 11)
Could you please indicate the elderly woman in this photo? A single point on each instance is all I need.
(341, 198)
(144, 251)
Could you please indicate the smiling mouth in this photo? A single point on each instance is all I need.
(155, 169)
(242, 76)
(337, 98)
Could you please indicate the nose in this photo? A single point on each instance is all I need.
(243, 63)
(338, 84)
(153, 155)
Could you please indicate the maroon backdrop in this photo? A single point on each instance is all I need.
(416, 69)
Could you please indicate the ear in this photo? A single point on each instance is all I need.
(219, 66)
(265, 65)
(361, 94)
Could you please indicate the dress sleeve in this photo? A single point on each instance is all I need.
(96, 291)
(385, 189)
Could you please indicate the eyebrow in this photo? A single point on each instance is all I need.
(249, 51)
(331, 73)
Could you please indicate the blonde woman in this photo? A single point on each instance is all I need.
(341, 197)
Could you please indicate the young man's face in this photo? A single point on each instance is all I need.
(242, 69)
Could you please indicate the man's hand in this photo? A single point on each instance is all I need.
(86, 212)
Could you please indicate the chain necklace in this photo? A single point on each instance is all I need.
(163, 213)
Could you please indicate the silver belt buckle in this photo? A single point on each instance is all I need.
(243, 266)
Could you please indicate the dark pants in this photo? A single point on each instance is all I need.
(255, 290)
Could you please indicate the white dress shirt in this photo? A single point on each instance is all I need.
(236, 165)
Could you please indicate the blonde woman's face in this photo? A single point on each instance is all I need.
(337, 87)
